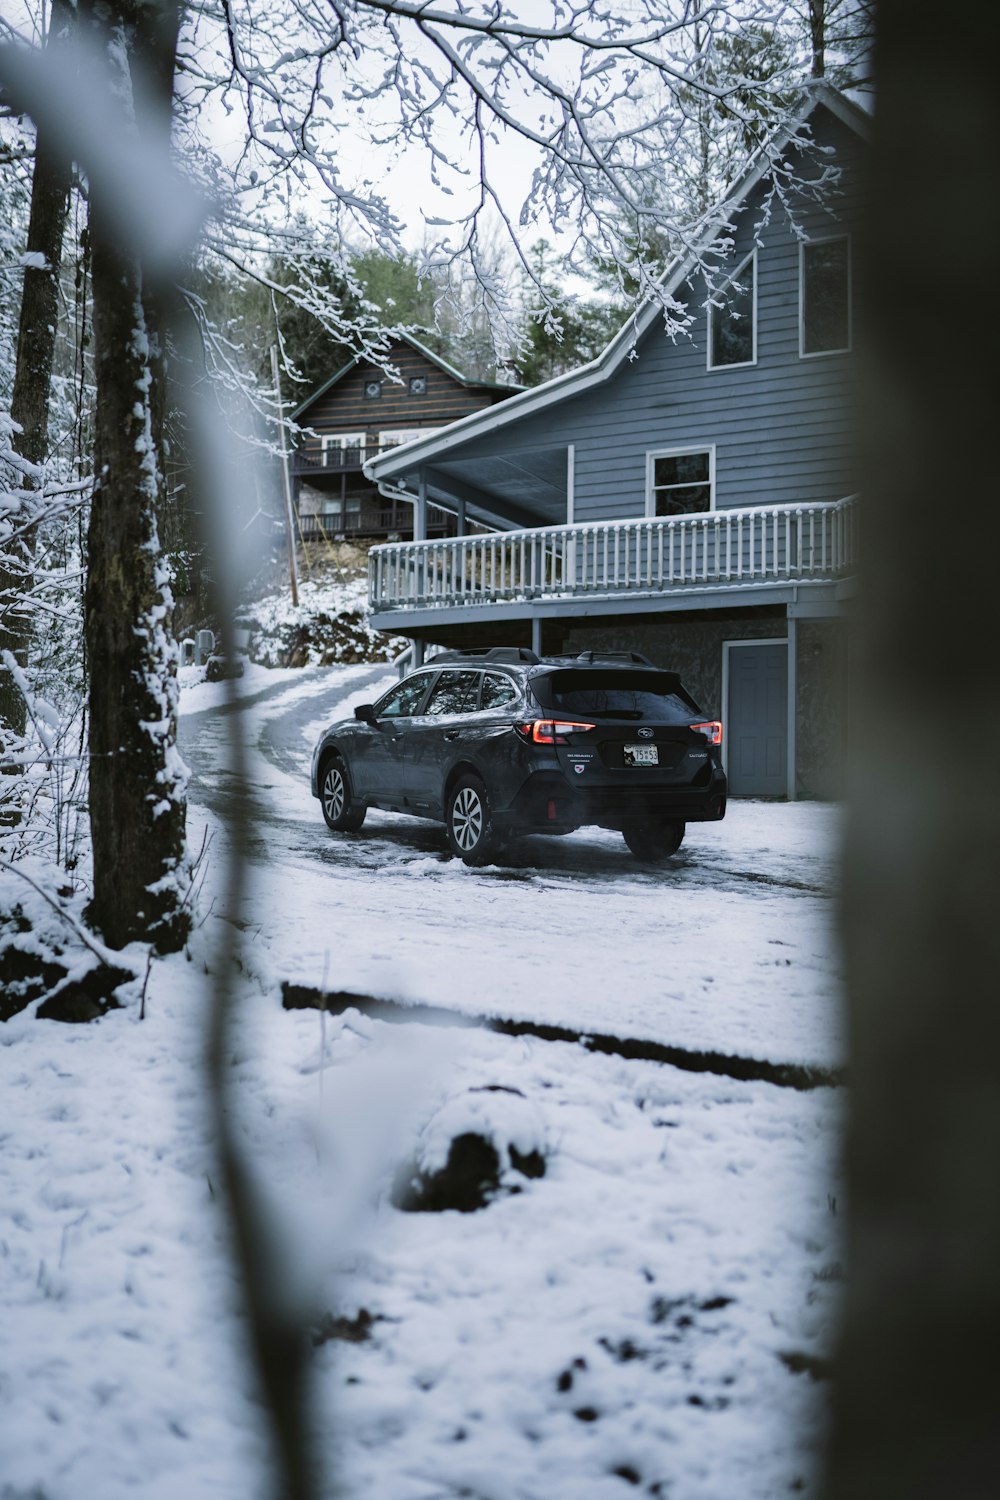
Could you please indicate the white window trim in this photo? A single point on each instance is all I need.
(654, 453)
(397, 436)
(827, 239)
(342, 440)
(744, 364)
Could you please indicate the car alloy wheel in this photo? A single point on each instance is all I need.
(470, 822)
(335, 796)
(467, 819)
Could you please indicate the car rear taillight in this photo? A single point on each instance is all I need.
(711, 731)
(551, 731)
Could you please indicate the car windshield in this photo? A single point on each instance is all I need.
(656, 697)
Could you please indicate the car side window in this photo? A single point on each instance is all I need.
(497, 690)
(454, 693)
(403, 701)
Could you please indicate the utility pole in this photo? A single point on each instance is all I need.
(293, 571)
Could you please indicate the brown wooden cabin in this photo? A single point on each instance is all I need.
(361, 412)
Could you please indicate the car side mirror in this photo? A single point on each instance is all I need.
(366, 713)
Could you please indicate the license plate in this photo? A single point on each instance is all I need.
(641, 755)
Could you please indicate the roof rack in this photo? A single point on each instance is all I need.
(492, 653)
(634, 658)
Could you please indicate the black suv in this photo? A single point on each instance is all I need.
(501, 742)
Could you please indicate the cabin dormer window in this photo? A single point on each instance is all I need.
(418, 385)
(373, 390)
(679, 483)
(732, 319)
(825, 297)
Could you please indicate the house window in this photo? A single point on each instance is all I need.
(343, 450)
(825, 296)
(391, 437)
(373, 390)
(418, 385)
(680, 483)
(342, 515)
(732, 319)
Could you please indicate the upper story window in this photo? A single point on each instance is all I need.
(343, 450)
(391, 437)
(678, 484)
(825, 296)
(418, 385)
(373, 390)
(732, 319)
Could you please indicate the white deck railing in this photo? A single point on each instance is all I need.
(762, 544)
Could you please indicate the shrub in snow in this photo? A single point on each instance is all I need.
(220, 668)
(474, 1148)
(87, 998)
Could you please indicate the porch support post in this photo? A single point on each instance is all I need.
(460, 519)
(417, 653)
(420, 511)
(536, 634)
(792, 649)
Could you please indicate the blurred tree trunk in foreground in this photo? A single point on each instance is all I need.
(137, 806)
(918, 1395)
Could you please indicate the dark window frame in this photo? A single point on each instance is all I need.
(820, 245)
(717, 308)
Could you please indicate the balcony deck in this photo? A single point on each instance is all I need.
(627, 564)
(313, 461)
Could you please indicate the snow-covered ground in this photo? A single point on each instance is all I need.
(645, 1318)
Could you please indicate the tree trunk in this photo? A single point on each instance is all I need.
(137, 808)
(36, 342)
(918, 1389)
(817, 37)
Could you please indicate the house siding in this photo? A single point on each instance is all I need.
(344, 408)
(781, 427)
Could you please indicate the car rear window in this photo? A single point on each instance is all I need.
(656, 697)
(497, 690)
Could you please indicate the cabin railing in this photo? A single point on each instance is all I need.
(756, 545)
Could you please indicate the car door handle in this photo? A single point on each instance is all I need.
(451, 734)
(395, 738)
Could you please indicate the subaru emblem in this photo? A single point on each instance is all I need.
(645, 734)
(579, 769)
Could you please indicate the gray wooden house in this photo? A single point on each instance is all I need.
(360, 413)
(693, 499)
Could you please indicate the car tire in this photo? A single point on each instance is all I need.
(655, 839)
(341, 813)
(469, 822)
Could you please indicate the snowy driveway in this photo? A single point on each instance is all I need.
(729, 948)
(653, 1315)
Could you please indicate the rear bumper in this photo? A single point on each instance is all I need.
(547, 802)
